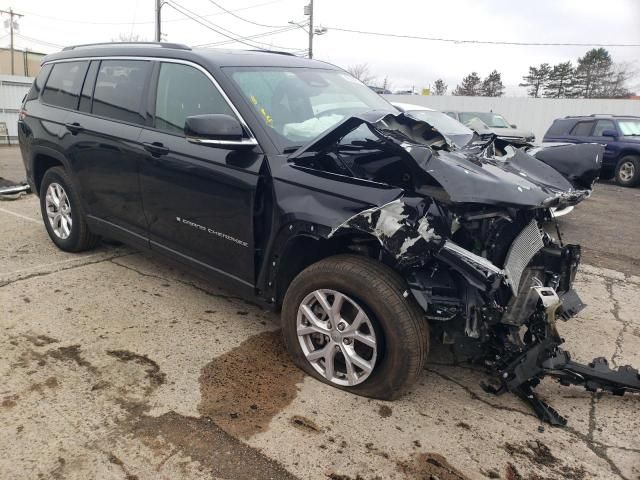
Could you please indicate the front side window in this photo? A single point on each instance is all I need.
(601, 126)
(184, 91)
(629, 127)
(298, 104)
(64, 84)
(120, 88)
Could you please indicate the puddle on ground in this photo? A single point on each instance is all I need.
(243, 389)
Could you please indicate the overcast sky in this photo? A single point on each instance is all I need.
(406, 62)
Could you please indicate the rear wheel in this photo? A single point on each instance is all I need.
(346, 321)
(628, 171)
(62, 213)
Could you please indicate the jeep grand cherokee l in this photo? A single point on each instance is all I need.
(294, 184)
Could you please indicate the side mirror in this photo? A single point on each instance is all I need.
(216, 129)
(513, 125)
(609, 133)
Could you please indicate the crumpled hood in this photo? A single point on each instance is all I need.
(473, 174)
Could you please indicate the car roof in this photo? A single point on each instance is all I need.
(408, 107)
(598, 117)
(207, 56)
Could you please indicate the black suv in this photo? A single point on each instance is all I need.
(297, 186)
(619, 134)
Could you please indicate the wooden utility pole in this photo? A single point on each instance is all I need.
(310, 28)
(11, 14)
(158, 21)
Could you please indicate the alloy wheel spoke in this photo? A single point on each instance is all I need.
(351, 356)
(368, 340)
(324, 303)
(314, 322)
(318, 354)
(357, 322)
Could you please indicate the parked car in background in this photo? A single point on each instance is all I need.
(619, 134)
(496, 123)
(450, 128)
(380, 90)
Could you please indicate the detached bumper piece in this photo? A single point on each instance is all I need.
(523, 371)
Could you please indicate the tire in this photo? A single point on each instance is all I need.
(628, 171)
(398, 324)
(73, 236)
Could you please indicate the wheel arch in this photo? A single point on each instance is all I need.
(42, 160)
(305, 249)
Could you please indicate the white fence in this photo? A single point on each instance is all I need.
(12, 90)
(535, 114)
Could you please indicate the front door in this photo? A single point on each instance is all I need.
(198, 198)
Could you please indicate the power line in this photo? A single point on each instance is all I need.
(249, 37)
(484, 42)
(91, 22)
(230, 12)
(216, 28)
(35, 40)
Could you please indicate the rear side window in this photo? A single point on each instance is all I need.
(119, 89)
(34, 92)
(582, 129)
(601, 126)
(184, 91)
(64, 84)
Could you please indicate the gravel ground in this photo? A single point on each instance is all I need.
(115, 364)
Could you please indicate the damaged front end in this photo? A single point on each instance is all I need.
(474, 236)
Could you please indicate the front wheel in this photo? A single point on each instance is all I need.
(350, 322)
(628, 171)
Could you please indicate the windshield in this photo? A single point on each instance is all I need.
(443, 123)
(494, 120)
(629, 127)
(298, 104)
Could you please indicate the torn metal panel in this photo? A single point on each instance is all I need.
(405, 228)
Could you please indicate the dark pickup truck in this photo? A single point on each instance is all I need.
(292, 183)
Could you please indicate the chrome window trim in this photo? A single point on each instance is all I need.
(245, 142)
(171, 60)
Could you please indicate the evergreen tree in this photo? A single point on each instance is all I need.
(492, 86)
(560, 83)
(439, 87)
(470, 86)
(593, 74)
(536, 80)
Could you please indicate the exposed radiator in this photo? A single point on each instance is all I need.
(522, 250)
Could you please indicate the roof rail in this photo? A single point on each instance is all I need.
(177, 46)
(276, 52)
(595, 115)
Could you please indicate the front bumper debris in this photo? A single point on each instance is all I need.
(544, 358)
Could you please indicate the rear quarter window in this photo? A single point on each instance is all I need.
(36, 88)
(64, 83)
(120, 88)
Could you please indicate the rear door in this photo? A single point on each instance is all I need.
(103, 144)
(198, 198)
(611, 150)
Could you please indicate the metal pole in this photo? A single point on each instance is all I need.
(311, 29)
(11, 15)
(11, 36)
(158, 21)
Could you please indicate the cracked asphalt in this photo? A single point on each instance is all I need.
(116, 364)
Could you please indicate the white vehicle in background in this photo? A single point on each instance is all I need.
(451, 128)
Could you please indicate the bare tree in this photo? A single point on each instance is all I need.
(361, 72)
(129, 37)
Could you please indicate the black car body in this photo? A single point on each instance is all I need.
(620, 134)
(297, 186)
